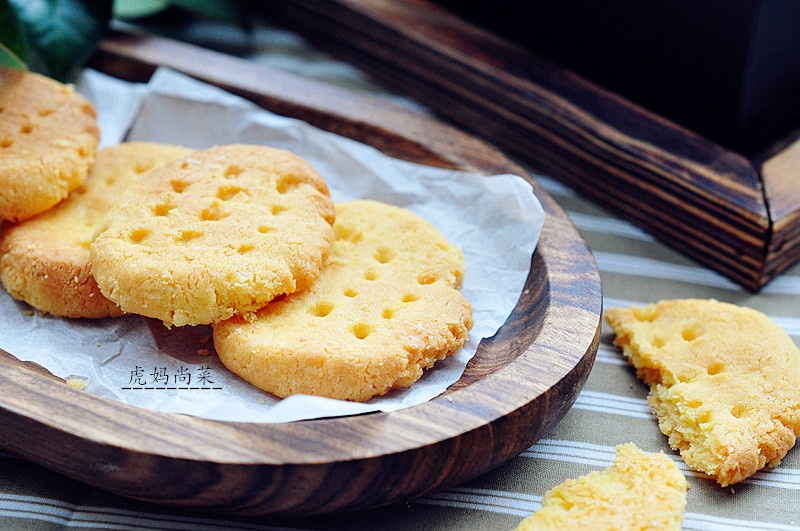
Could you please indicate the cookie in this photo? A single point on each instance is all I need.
(218, 233)
(385, 308)
(724, 382)
(640, 491)
(45, 260)
(48, 141)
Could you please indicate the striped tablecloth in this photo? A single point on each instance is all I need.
(611, 409)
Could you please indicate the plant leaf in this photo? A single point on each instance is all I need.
(64, 32)
(10, 59)
(13, 43)
(133, 9)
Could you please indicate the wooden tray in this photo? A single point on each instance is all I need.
(519, 385)
(737, 215)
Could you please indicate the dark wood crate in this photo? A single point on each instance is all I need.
(733, 211)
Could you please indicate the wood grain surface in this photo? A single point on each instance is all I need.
(700, 198)
(519, 385)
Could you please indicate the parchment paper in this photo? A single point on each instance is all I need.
(495, 220)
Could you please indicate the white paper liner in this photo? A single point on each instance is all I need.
(495, 220)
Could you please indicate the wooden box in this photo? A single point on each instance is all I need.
(734, 210)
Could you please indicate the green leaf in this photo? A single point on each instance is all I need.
(63, 32)
(10, 59)
(133, 9)
(13, 43)
(224, 10)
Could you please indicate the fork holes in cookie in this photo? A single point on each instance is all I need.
(383, 255)
(213, 213)
(690, 333)
(645, 315)
(232, 171)
(245, 248)
(426, 278)
(342, 233)
(410, 297)
(715, 368)
(370, 275)
(6, 142)
(263, 229)
(277, 209)
(321, 309)
(350, 292)
(138, 235)
(179, 185)
(286, 184)
(142, 168)
(388, 313)
(226, 193)
(361, 330)
(188, 235)
(161, 209)
(26, 129)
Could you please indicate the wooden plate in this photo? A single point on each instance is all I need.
(519, 385)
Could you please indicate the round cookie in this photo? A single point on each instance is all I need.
(723, 382)
(48, 141)
(385, 308)
(220, 232)
(45, 260)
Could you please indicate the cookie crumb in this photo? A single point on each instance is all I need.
(76, 383)
(639, 491)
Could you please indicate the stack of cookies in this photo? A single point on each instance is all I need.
(345, 301)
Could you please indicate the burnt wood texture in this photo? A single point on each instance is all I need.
(733, 213)
(519, 385)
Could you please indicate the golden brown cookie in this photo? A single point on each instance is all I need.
(385, 308)
(44, 260)
(218, 233)
(641, 491)
(48, 141)
(724, 382)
